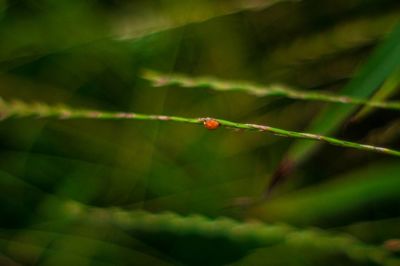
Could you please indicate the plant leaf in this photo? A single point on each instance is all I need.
(386, 90)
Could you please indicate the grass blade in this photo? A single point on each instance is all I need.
(345, 194)
(388, 89)
(139, 27)
(344, 36)
(381, 64)
(384, 61)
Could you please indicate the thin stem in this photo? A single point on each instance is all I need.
(20, 109)
(160, 80)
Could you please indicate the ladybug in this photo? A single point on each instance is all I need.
(211, 124)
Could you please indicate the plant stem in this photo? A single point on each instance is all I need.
(159, 80)
(21, 109)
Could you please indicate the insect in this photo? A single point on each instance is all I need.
(211, 124)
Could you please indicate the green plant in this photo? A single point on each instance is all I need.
(83, 182)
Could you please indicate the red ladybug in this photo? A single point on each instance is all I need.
(211, 124)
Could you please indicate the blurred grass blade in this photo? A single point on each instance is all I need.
(382, 63)
(386, 90)
(134, 27)
(43, 37)
(343, 195)
(344, 36)
(21, 109)
(159, 79)
(256, 233)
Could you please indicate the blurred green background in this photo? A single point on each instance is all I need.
(91, 54)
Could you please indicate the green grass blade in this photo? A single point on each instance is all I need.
(335, 198)
(22, 109)
(159, 79)
(383, 62)
(342, 37)
(388, 89)
(182, 15)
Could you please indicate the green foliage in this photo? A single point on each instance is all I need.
(82, 182)
(386, 90)
(382, 64)
(345, 194)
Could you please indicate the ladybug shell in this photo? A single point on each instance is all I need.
(211, 124)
